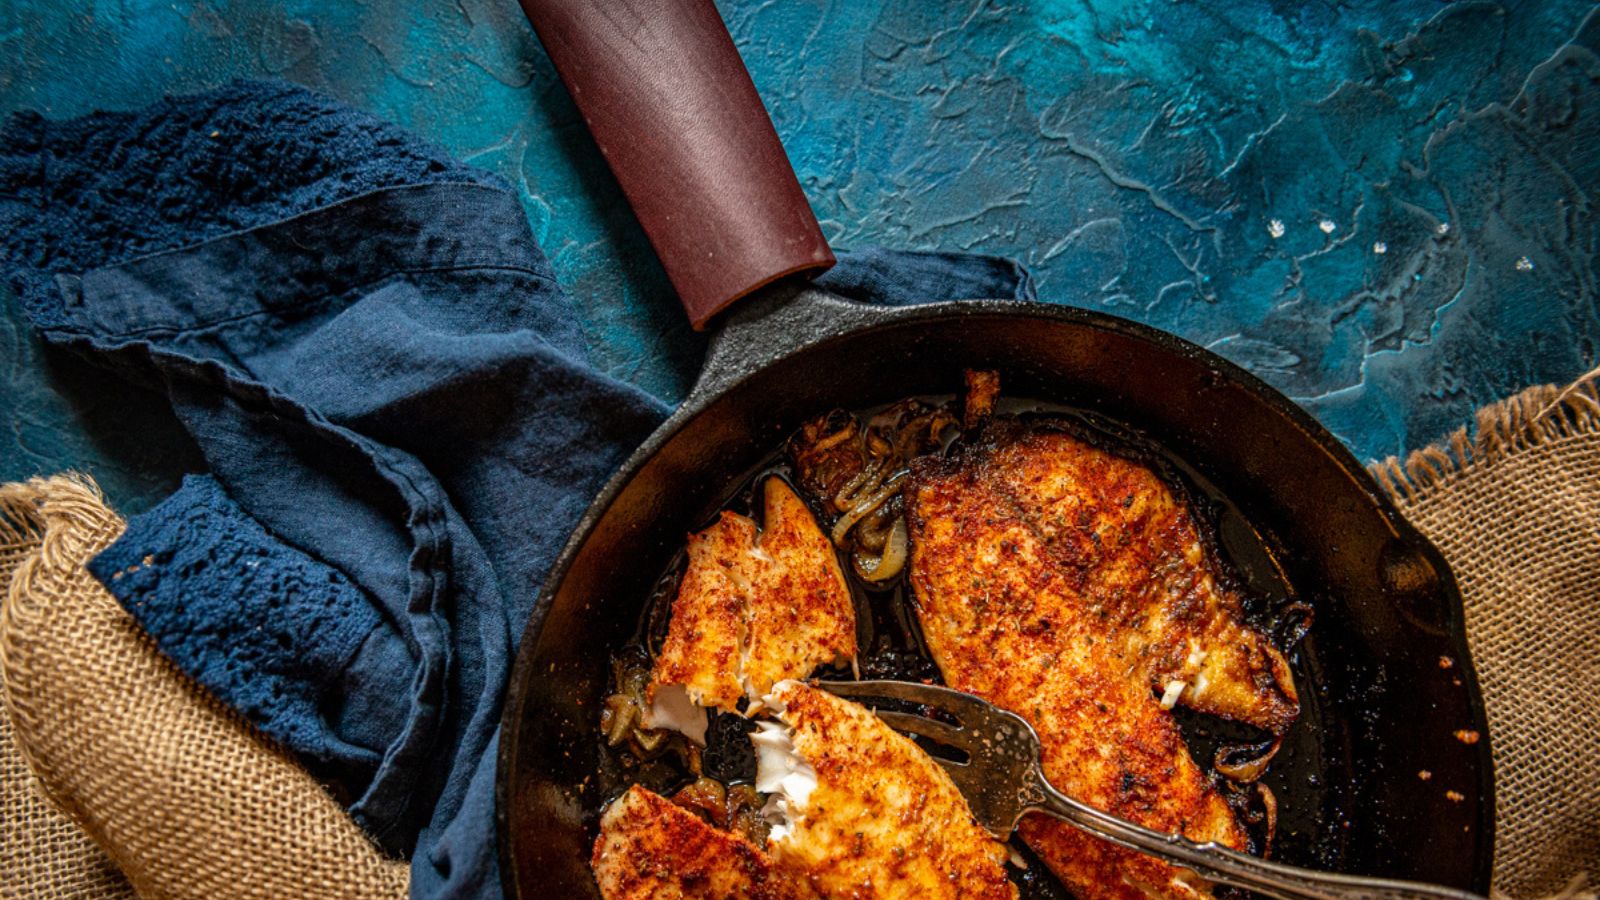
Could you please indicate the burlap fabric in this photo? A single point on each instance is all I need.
(181, 794)
(1515, 508)
(42, 852)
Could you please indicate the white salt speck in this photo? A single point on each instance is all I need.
(1327, 226)
(1444, 228)
(1275, 228)
(1524, 264)
(1380, 248)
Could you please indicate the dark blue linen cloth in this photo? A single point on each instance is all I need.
(401, 426)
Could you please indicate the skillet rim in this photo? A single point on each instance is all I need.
(734, 359)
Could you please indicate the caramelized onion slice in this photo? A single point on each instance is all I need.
(707, 797)
(893, 559)
(744, 813)
(1269, 807)
(1245, 763)
(864, 507)
(1291, 624)
(622, 717)
(618, 719)
(861, 484)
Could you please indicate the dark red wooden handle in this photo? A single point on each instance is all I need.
(673, 109)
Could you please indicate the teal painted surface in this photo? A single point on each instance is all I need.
(1431, 168)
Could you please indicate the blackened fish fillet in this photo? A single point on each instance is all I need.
(1047, 576)
(1129, 546)
(755, 607)
(651, 849)
(865, 812)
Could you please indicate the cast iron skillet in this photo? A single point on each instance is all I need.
(1385, 673)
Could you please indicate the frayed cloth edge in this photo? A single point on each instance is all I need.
(1537, 416)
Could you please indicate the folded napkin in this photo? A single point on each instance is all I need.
(399, 420)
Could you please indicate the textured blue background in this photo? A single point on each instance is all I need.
(1134, 155)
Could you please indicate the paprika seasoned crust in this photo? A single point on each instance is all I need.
(1006, 619)
(1128, 544)
(650, 848)
(755, 606)
(865, 812)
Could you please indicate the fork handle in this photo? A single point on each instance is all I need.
(1224, 866)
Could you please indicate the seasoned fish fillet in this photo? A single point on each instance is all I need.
(1006, 620)
(652, 849)
(754, 607)
(1129, 546)
(861, 811)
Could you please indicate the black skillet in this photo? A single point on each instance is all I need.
(1375, 780)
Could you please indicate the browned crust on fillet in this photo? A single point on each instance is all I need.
(1005, 620)
(756, 607)
(884, 820)
(652, 849)
(706, 637)
(801, 612)
(1126, 541)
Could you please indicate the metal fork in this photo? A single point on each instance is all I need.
(1003, 779)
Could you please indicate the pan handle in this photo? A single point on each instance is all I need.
(670, 104)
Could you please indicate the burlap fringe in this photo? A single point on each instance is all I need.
(1533, 417)
(29, 512)
(28, 507)
(19, 519)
